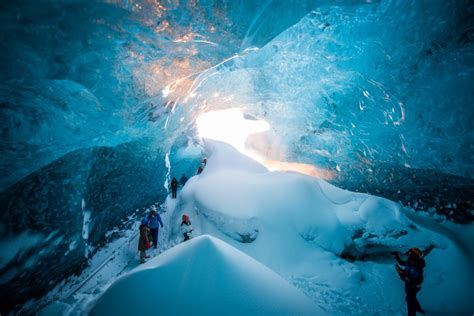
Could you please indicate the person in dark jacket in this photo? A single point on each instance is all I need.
(144, 241)
(186, 227)
(183, 180)
(411, 272)
(202, 166)
(174, 187)
(153, 220)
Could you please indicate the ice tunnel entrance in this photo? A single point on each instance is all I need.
(230, 126)
(233, 127)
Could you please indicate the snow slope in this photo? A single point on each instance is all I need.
(304, 229)
(204, 276)
(292, 212)
(330, 244)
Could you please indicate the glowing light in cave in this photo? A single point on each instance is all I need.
(298, 167)
(229, 126)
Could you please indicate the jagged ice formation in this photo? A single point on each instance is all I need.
(98, 96)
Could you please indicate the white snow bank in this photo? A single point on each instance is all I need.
(289, 204)
(295, 225)
(203, 276)
(304, 224)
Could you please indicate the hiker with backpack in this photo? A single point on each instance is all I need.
(153, 220)
(186, 227)
(411, 273)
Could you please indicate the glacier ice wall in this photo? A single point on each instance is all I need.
(69, 206)
(357, 85)
(94, 94)
(82, 114)
(378, 93)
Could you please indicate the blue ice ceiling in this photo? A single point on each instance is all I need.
(94, 94)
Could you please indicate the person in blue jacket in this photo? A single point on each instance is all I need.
(153, 220)
(411, 273)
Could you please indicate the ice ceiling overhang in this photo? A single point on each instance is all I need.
(347, 87)
(376, 95)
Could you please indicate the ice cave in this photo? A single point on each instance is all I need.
(237, 157)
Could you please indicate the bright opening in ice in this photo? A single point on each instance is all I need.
(229, 126)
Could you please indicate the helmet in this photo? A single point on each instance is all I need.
(144, 221)
(185, 217)
(153, 208)
(417, 252)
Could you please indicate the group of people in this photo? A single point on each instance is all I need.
(409, 270)
(175, 185)
(149, 228)
(151, 223)
(182, 181)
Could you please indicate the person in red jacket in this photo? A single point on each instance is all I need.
(144, 241)
(186, 227)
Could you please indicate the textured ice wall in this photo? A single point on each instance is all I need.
(358, 85)
(350, 87)
(83, 117)
(377, 93)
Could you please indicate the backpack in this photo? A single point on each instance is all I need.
(414, 271)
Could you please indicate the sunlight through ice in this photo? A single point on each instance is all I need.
(229, 126)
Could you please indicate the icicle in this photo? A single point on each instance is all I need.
(168, 172)
(85, 227)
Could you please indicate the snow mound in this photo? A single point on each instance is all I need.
(206, 276)
(234, 186)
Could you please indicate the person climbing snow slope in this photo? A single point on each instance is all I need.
(186, 227)
(153, 220)
(411, 273)
(144, 240)
(183, 180)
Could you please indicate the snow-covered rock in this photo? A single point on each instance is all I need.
(204, 276)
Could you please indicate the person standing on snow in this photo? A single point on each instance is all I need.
(144, 241)
(174, 188)
(153, 221)
(199, 171)
(186, 227)
(202, 166)
(183, 180)
(411, 272)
